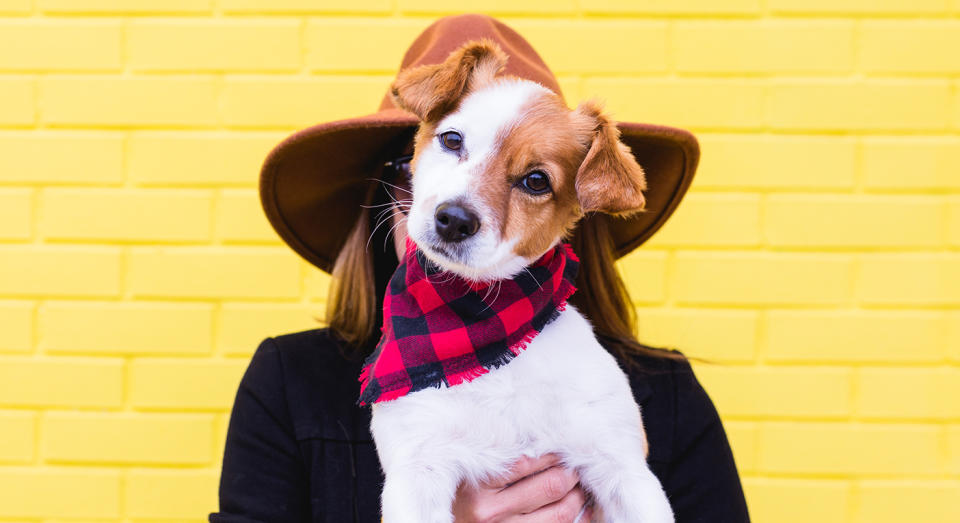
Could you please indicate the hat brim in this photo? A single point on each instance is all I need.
(313, 184)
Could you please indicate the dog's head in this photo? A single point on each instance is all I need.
(502, 169)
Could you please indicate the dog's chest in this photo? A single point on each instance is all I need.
(534, 404)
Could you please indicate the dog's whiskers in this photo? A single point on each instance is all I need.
(380, 223)
(534, 278)
(402, 220)
(399, 203)
(397, 187)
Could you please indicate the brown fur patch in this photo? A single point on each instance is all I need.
(610, 180)
(547, 139)
(431, 91)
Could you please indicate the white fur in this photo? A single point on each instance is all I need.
(563, 394)
(445, 176)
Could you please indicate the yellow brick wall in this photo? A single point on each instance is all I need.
(815, 262)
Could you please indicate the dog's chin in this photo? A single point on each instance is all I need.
(453, 259)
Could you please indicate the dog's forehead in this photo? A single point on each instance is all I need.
(486, 112)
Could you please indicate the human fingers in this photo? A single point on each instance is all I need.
(567, 510)
(496, 500)
(523, 467)
(536, 491)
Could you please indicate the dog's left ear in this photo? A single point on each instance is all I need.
(609, 180)
(431, 91)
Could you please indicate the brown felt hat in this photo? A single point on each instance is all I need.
(314, 183)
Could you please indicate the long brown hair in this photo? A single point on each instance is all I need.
(364, 266)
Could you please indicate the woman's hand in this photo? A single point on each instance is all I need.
(535, 490)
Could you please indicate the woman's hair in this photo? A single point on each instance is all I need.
(365, 264)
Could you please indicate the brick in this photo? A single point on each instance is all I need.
(756, 162)
(713, 220)
(244, 325)
(16, 7)
(173, 494)
(956, 106)
(884, 7)
(571, 88)
(854, 336)
(743, 438)
(135, 328)
(858, 105)
(712, 334)
(306, 6)
(210, 272)
(909, 47)
(18, 436)
(45, 45)
(850, 221)
(137, 215)
(909, 279)
(16, 323)
(581, 46)
(221, 425)
(17, 101)
(808, 499)
(61, 157)
(683, 7)
(42, 270)
(125, 6)
(198, 158)
(644, 273)
(221, 45)
(298, 102)
(953, 335)
(787, 392)
(66, 492)
(502, 7)
(761, 278)
(61, 382)
(16, 209)
(129, 101)
(240, 218)
(316, 283)
(908, 393)
(763, 46)
(699, 103)
(953, 449)
(888, 501)
(184, 384)
(359, 44)
(898, 163)
(127, 438)
(953, 221)
(850, 448)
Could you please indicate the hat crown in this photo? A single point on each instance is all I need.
(449, 33)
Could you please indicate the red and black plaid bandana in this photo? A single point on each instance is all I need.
(443, 329)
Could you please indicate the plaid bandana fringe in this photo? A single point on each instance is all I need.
(442, 329)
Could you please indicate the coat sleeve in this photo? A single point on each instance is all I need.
(701, 481)
(263, 477)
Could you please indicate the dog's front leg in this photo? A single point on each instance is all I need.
(418, 494)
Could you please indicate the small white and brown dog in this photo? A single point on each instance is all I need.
(502, 171)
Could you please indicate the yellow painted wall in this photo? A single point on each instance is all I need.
(816, 260)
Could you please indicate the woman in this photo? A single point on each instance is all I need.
(299, 448)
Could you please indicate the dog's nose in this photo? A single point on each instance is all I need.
(455, 223)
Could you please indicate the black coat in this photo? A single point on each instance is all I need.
(299, 449)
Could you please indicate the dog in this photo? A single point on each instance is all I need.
(502, 171)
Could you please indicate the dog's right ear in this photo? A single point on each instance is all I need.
(609, 180)
(431, 91)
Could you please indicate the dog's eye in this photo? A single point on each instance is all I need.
(535, 183)
(451, 140)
